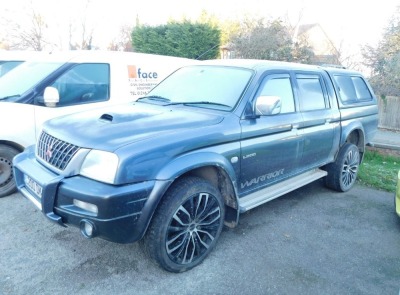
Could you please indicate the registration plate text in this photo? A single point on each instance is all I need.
(33, 186)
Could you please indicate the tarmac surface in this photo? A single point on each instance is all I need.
(310, 241)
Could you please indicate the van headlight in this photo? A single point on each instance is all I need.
(100, 165)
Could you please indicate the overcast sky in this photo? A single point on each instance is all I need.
(353, 23)
(356, 21)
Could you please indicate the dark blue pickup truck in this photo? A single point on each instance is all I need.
(208, 143)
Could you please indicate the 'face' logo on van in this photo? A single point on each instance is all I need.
(135, 72)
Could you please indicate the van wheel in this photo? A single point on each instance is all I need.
(342, 173)
(186, 225)
(7, 183)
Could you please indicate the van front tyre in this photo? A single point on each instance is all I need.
(342, 173)
(7, 183)
(186, 225)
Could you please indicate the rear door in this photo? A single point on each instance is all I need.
(319, 119)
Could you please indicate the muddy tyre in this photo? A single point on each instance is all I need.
(342, 173)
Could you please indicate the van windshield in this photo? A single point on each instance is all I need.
(8, 65)
(25, 77)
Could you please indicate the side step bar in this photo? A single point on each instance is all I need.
(272, 192)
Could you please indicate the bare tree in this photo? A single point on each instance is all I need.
(30, 35)
(84, 29)
(87, 33)
(123, 42)
(273, 40)
(346, 58)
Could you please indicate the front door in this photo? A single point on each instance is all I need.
(83, 87)
(271, 146)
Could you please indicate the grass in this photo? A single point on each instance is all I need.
(379, 171)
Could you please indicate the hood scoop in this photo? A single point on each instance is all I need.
(125, 117)
(107, 117)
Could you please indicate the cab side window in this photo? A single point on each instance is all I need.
(279, 85)
(311, 92)
(84, 83)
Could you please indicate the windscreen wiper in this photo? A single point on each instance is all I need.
(199, 102)
(155, 98)
(9, 97)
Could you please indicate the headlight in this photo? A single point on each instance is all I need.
(100, 165)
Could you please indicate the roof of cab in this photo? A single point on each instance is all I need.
(255, 64)
(341, 71)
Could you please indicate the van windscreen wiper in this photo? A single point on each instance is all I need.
(154, 98)
(9, 97)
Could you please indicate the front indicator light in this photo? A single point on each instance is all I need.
(86, 206)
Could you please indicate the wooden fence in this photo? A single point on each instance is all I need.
(389, 113)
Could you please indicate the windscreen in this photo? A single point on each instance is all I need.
(217, 87)
(24, 77)
(6, 66)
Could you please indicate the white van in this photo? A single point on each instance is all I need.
(68, 82)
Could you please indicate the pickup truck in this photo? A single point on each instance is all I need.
(208, 143)
(60, 83)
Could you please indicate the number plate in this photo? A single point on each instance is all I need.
(33, 186)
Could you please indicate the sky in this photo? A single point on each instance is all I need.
(350, 23)
(354, 21)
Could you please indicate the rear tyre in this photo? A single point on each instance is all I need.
(342, 173)
(7, 183)
(186, 225)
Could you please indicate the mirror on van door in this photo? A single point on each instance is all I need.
(51, 96)
(268, 105)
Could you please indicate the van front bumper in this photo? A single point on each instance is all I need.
(116, 213)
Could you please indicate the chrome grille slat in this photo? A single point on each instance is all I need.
(54, 151)
(62, 156)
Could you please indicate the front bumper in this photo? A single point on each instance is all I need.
(123, 214)
(397, 197)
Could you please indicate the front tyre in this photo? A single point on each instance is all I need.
(186, 225)
(7, 183)
(342, 173)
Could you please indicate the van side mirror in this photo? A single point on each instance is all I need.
(267, 105)
(51, 97)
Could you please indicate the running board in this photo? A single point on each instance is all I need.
(272, 192)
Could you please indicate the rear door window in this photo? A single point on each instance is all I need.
(312, 95)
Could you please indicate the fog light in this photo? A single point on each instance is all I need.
(88, 229)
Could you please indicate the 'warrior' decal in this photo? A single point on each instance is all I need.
(261, 178)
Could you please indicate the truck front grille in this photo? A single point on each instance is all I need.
(56, 152)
